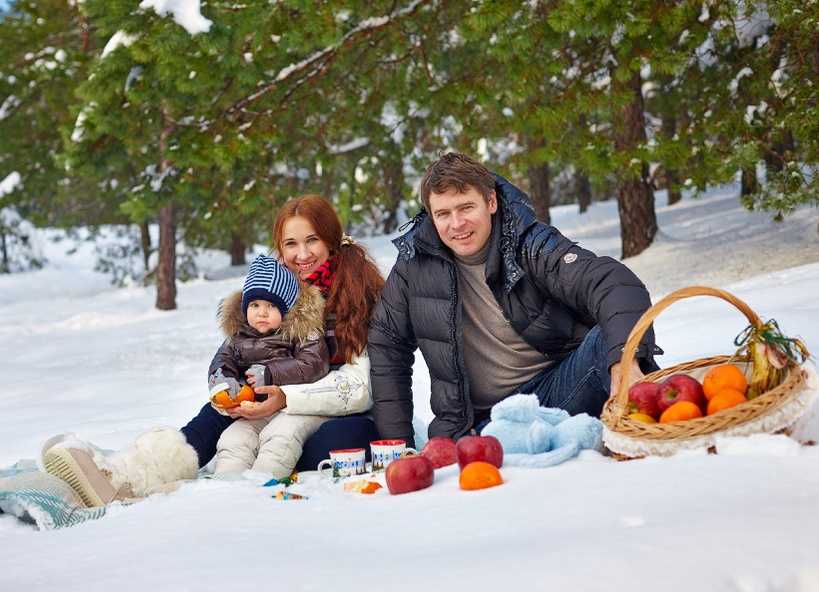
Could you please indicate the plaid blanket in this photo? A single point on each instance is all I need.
(38, 498)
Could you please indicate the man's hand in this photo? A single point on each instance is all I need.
(274, 403)
(635, 375)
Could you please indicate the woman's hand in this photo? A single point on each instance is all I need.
(274, 403)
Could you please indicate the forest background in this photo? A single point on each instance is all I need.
(201, 119)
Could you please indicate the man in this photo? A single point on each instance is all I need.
(499, 304)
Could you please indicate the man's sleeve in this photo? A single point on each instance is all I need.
(597, 288)
(390, 345)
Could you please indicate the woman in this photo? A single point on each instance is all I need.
(311, 243)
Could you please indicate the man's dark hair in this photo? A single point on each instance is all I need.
(458, 171)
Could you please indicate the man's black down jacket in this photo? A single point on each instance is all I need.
(551, 290)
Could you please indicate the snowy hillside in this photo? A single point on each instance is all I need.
(83, 357)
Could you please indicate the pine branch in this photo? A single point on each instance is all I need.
(319, 62)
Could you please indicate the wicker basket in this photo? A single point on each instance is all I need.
(772, 411)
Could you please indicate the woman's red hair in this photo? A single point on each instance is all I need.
(357, 283)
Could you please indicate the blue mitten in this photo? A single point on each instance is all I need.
(520, 426)
(534, 436)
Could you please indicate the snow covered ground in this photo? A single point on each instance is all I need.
(80, 356)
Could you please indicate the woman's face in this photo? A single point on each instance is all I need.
(301, 249)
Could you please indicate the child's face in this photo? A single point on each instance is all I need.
(263, 316)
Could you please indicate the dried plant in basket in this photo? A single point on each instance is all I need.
(770, 353)
(778, 391)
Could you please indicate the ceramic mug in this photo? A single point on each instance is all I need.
(343, 463)
(385, 451)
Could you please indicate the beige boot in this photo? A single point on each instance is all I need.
(155, 459)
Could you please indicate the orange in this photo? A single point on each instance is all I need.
(223, 401)
(680, 411)
(642, 417)
(725, 376)
(480, 475)
(245, 394)
(725, 399)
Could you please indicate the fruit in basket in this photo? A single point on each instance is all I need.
(441, 451)
(485, 448)
(725, 399)
(724, 376)
(680, 387)
(681, 411)
(479, 475)
(642, 417)
(410, 473)
(642, 398)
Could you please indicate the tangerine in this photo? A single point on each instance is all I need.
(725, 399)
(223, 400)
(681, 411)
(479, 475)
(245, 394)
(724, 376)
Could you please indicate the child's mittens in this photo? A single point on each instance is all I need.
(257, 371)
(218, 377)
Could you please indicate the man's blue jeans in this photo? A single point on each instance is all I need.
(579, 383)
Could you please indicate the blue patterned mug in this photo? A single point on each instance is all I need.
(344, 462)
(385, 451)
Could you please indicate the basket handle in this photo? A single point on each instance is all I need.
(630, 349)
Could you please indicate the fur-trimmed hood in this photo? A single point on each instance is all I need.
(303, 322)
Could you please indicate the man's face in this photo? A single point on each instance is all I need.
(463, 220)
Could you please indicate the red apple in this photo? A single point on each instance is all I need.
(410, 473)
(485, 448)
(642, 398)
(680, 387)
(441, 451)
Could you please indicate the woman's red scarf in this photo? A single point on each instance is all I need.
(322, 278)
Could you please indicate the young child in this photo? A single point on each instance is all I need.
(274, 330)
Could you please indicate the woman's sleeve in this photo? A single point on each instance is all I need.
(342, 392)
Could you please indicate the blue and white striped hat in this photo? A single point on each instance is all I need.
(267, 279)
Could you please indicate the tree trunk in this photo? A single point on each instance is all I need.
(540, 191)
(672, 177)
(583, 188)
(638, 220)
(166, 270)
(5, 266)
(393, 170)
(748, 184)
(145, 243)
(237, 249)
